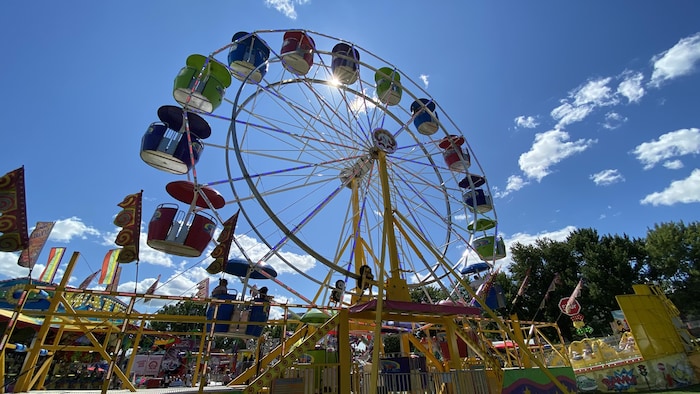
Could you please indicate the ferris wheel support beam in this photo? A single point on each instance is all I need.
(396, 287)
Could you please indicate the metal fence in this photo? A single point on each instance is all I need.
(324, 379)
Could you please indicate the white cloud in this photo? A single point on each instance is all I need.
(676, 62)
(583, 100)
(147, 254)
(595, 92)
(613, 120)
(286, 7)
(631, 86)
(514, 183)
(549, 148)
(359, 105)
(66, 229)
(424, 78)
(567, 114)
(683, 191)
(675, 143)
(673, 164)
(527, 122)
(257, 250)
(607, 177)
(10, 269)
(529, 239)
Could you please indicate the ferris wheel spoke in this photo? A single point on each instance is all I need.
(303, 154)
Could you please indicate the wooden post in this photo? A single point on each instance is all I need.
(344, 352)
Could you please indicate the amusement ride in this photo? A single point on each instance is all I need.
(332, 156)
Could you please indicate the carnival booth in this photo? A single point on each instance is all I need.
(167, 146)
(184, 233)
(201, 84)
(248, 57)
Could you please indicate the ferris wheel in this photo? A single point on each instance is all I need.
(331, 153)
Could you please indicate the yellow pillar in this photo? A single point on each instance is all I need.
(396, 286)
(32, 358)
(451, 337)
(518, 334)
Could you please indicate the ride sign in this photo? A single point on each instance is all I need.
(575, 307)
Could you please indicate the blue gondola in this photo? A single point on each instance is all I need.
(478, 201)
(425, 117)
(165, 143)
(248, 57)
(237, 316)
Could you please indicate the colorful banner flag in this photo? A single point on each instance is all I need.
(37, 240)
(523, 285)
(109, 266)
(574, 295)
(13, 212)
(152, 288)
(129, 219)
(202, 288)
(114, 283)
(55, 256)
(84, 284)
(221, 251)
(552, 286)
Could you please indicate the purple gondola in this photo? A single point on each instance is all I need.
(165, 143)
(346, 63)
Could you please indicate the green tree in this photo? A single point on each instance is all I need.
(191, 308)
(181, 308)
(428, 294)
(544, 259)
(607, 266)
(674, 263)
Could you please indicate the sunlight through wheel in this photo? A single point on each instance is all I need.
(335, 153)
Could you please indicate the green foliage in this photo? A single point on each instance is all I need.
(392, 343)
(608, 265)
(674, 263)
(183, 308)
(428, 294)
(190, 308)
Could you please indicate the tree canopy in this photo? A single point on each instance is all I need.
(607, 266)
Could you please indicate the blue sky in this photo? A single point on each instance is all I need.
(580, 114)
